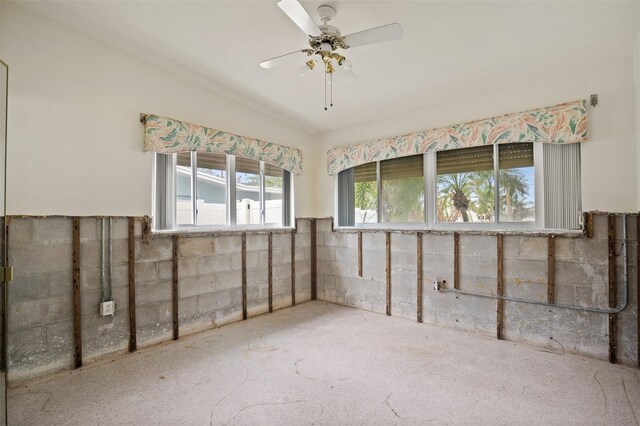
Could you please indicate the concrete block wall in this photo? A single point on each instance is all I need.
(40, 301)
(581, 279)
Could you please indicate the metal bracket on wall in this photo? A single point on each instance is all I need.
(6, 274)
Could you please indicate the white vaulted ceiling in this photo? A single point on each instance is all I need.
(450, 50)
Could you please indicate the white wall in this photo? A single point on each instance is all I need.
(609, 180)
(636, 73)
(75, 142)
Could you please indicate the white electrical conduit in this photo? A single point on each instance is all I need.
(109, 297)
(102, 261)
(558, 305)
(105, 295)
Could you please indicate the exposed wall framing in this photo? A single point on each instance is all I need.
(133, 344)
(314, 260)
(175, 294)
(456, 260)
(77, 319)
(293, 269)
(500, 286)
(551, 274)
(419, 276)
(244, 276)
(270, 270)
(388, 272)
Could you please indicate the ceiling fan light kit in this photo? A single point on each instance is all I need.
(325, 39)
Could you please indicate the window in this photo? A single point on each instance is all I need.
(194, 190)
(402, 182)
(497, 186)
(465, 185)
(366, 193)
(516, 183)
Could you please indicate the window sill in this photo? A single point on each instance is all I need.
(210, 231)
(450, 230)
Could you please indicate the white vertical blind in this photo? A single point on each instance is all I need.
(562, 200)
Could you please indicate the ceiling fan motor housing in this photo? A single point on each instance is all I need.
(326, 13)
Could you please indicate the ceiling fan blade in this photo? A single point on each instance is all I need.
(280, 60)
(297, 14)
(374, 35)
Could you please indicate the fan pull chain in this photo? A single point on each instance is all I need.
(331, 77)
(325, 91)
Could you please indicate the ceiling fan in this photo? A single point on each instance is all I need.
(325, 40)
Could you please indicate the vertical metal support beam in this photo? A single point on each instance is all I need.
(314, 262)
(388, 271)
(175, 294)
(270, 248)
(244, 276)
(360, 253)
(500, 288)
(293, 268)
(419, 276)
(551, 269)
(588, 226)
(456, 260)
(132, 285)
(613, 293)
(77, 323)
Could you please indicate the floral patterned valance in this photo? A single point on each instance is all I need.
(167, 136)
(564, 123)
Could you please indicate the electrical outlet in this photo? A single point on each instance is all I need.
(439, 285)
(107, 308)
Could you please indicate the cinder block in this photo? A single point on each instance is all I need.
(326, 253)
(188, 266)
(525, 270)
(27, 287)
(281, 242)
(584, 274)
(158, 248)
(302, 225)
(146, 271)
(147, 315)
(39, 258)
(257, 242)
(228, 244)
(196, 246)
(323, 225)
(228, 280)
(165, 270)
(60, 283)
(153, 293)
(187, 307)
(533, 247)
(435, 243)
(20, 231)
(327, 239)
(52, 230)
(193, 286)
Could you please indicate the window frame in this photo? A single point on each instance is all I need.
(165, 199)
(430, 182)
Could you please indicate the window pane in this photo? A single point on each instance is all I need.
(517, 191)
(212, 189)
(184, 205)
(402, 182)
(247, 191)
(366, 193)
(465, 185)
(273, 190)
